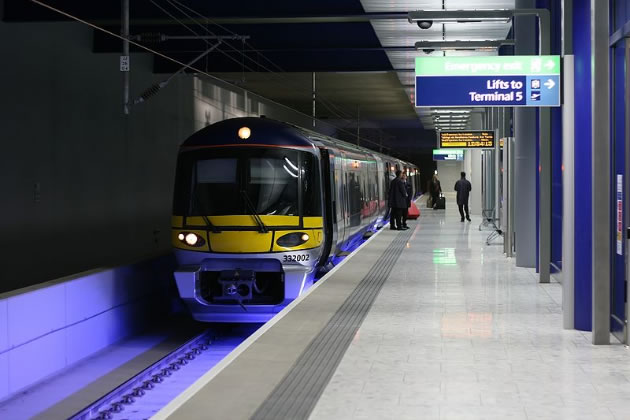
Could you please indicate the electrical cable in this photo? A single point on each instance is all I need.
(340, 113)
(159, 54)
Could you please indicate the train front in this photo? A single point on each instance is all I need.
(247, 223)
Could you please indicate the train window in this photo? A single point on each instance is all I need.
(214, 178)
(355, 199)
(219, 171)
(273, 183)
(211, 182)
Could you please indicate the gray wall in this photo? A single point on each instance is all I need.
(449, 173)
(82, 185)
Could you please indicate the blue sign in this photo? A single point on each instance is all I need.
(470, 91)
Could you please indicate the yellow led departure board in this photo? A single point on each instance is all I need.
(467, 139)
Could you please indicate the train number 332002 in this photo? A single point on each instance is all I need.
(297, 257)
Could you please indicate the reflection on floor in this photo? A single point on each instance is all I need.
(459, 332)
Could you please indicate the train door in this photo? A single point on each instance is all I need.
(380, 194)
(329, 190)
(344, 195)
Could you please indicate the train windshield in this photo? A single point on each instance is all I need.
(243, 181)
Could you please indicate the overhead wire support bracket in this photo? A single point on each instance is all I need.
(154, 89)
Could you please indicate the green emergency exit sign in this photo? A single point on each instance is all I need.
(504, 65)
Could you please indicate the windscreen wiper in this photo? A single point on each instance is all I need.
(205, 218)
(252, 208)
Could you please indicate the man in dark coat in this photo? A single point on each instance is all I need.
(409, 191)
(463, 188)
(397, 201)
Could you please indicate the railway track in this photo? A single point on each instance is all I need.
(130, 393)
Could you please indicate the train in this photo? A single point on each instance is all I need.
(262, 208)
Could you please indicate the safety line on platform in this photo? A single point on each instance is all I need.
(298, 392)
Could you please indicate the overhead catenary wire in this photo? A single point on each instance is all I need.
(281, 82)
(157, 53)
(334, 109)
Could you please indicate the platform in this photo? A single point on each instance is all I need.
(428, 323)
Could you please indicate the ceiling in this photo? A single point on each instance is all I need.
(361, 51)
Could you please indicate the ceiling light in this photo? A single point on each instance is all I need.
(461, 16)
(483, 45)
(450, 111)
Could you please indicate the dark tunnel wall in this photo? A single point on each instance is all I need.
(82, 186)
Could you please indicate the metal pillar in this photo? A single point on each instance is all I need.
(497, 169)
(568, 174)
(314, 93)
(600, 158)
(125, 52)
(544, 244)
(544, 198)
(508, 195)
(525, 153)
(568, 195)
(358, 125)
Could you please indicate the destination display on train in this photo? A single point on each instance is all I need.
(477, 139)
(488, 81)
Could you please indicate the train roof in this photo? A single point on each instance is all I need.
(263, 131)
(270, 132)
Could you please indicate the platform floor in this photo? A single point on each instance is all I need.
(430, 323)
(459, 332)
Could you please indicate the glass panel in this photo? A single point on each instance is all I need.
(273, 183)
(214, 178)
(311, 190)
(212, 182)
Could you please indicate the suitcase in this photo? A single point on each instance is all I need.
(414, 211)
(441, 203)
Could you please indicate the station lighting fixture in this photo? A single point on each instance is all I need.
(459, 16)
(450, 111)
(483, 45)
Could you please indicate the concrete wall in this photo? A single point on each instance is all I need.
(472, 167)
(83, 185)
(84, 313)
(449, 173)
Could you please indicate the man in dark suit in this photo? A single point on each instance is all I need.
(397, 202)
(463, 188)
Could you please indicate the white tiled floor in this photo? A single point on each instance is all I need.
(459, 332)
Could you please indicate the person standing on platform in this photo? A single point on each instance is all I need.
(436, 189)
(463, 188)
(409, 191)
(397, 202)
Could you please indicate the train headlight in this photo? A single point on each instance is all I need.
(292, 239)
(190, 239)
